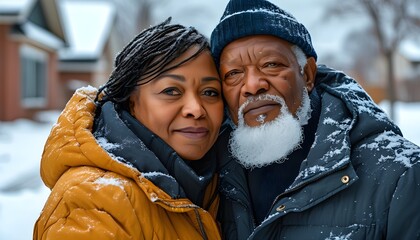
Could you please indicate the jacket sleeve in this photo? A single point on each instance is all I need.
(89, 204)
(404, 211)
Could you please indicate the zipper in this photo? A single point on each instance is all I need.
(196, 211)
(200, 224)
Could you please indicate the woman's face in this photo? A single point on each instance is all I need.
(183, 106)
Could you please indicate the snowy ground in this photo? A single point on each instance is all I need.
(22, 193)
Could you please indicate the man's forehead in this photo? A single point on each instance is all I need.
(251, 41)
(259, 45)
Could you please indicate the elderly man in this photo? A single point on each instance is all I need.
(312, 156)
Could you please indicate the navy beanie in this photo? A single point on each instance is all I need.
(258, 17)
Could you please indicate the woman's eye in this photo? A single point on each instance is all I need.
(211, 93)
(171, 91)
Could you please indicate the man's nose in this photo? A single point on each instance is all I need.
(255, 83)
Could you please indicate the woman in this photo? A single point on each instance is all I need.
(134, 159)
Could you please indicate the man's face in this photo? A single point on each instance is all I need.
(262, 64)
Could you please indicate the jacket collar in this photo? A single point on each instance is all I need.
(330, 150)
(347, 116)
(137, 146)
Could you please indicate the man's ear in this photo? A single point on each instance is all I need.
(309, 73)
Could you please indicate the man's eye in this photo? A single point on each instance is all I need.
(271, 64)
(231, 73)
(233, 77)
(171, 91)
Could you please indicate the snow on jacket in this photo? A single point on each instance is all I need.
(97, 196)
(360, 180)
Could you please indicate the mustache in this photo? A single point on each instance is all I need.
(262, 97)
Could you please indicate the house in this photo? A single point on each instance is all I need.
(29, 41)
(88, 59)
(41, 62)
(408, 71)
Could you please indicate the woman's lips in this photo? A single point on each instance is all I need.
(193, 132)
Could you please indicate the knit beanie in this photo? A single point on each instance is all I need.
(258, 17)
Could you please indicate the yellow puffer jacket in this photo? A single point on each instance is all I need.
(96, 197)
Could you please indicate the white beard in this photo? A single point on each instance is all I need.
(271, 142)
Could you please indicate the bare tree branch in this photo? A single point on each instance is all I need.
(392, 21)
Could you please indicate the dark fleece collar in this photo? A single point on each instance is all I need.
(156, 160)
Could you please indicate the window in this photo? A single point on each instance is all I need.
(33, 76)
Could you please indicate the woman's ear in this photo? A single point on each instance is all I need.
(132, 103)
(309, 73)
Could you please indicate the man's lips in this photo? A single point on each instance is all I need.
(259, 107)
(193, 132)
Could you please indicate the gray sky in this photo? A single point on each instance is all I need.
(327, 36)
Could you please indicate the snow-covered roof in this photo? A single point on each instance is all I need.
(41, 36)
(14, 10)
(16, 13)
(410, 50)
(87, 24)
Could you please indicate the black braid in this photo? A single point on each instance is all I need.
(146, 57)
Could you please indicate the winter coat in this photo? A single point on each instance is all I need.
(96, 195)
(360, 180)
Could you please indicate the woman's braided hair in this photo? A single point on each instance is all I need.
(146, 57)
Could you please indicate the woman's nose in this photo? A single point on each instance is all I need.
(193, 107)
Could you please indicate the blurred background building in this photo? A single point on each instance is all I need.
(49, 48)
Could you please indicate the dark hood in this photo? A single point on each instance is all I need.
(135, 145)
